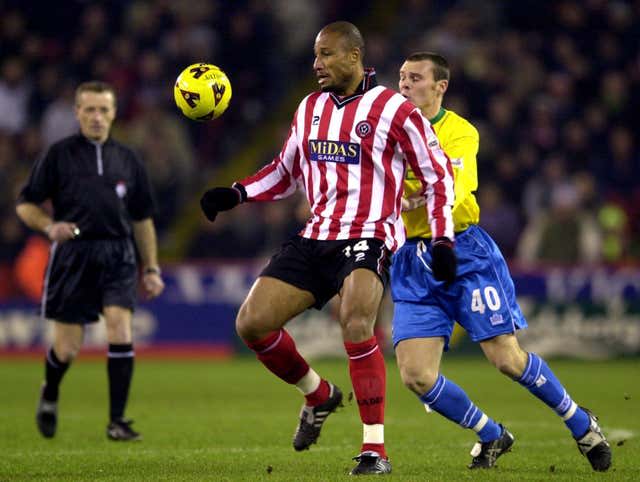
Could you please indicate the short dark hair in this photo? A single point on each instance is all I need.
(349, 32)
(440, 64)
(96, 86)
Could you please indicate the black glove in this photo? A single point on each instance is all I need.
(222, 199)
(443, 260)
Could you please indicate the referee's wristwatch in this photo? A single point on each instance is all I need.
(152, 270)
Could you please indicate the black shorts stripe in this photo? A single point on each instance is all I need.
(45, 288)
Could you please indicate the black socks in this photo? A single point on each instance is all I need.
(120, 370)
(54, 371)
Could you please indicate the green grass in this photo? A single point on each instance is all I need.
(234, 421)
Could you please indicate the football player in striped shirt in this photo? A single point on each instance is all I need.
(347, 149)
(481, 296)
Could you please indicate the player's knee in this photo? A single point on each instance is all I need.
(67, 350)
(502, 365)
(418, 379)
(118, 332)
(357, 329)
(357, 323)
(248, 323)
(243, 324)
(508, 363)
(506, 355)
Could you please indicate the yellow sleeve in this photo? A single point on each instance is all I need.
(462, 151)
(459, 139)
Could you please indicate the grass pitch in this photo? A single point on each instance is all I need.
(233, 420)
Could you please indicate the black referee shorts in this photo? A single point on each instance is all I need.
(322, 266)
(84, 276)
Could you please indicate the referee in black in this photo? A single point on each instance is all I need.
(102, 201)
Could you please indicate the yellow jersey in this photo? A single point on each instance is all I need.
(459, 140)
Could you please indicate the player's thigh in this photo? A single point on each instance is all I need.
(361, 273)
(419, 359)
(507, 343)
(270, 304)
(360, 299)
(67, 339)
(361, 294)
(118, 324)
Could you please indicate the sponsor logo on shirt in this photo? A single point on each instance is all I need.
(334, 151)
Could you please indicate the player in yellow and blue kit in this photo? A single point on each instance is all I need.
(476, 290)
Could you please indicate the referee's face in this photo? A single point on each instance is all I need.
(95, 112)
(335, 66)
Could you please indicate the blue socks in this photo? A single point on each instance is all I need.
(450, 401)
(540, 381)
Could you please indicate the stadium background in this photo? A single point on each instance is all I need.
(554, 89)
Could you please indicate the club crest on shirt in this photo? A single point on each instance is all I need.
(363, 129)
(121, 189)
(457, 162)
(334, 151)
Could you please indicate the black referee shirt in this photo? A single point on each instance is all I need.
(100, 187)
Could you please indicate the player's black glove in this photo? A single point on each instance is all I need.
(443, 260)
(222, 199)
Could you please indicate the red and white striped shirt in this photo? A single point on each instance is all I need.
(350, 155)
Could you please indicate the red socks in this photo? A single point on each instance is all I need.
(320, 395)
(368, 377)
(278, 353)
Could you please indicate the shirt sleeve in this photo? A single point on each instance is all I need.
(42, 181)
(278, 179)
(462, 150)
(141, 203)
(432, 168)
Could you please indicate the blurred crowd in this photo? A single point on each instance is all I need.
(553, 87)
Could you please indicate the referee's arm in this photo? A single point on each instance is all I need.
(39, 220)
(33, 216)
(145, 235)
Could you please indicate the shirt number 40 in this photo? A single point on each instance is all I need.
(491, 300)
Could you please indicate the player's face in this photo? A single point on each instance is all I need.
(95, 112)
(418, 84)
(334, 64)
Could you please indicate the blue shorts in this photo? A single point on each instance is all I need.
(482, 298)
